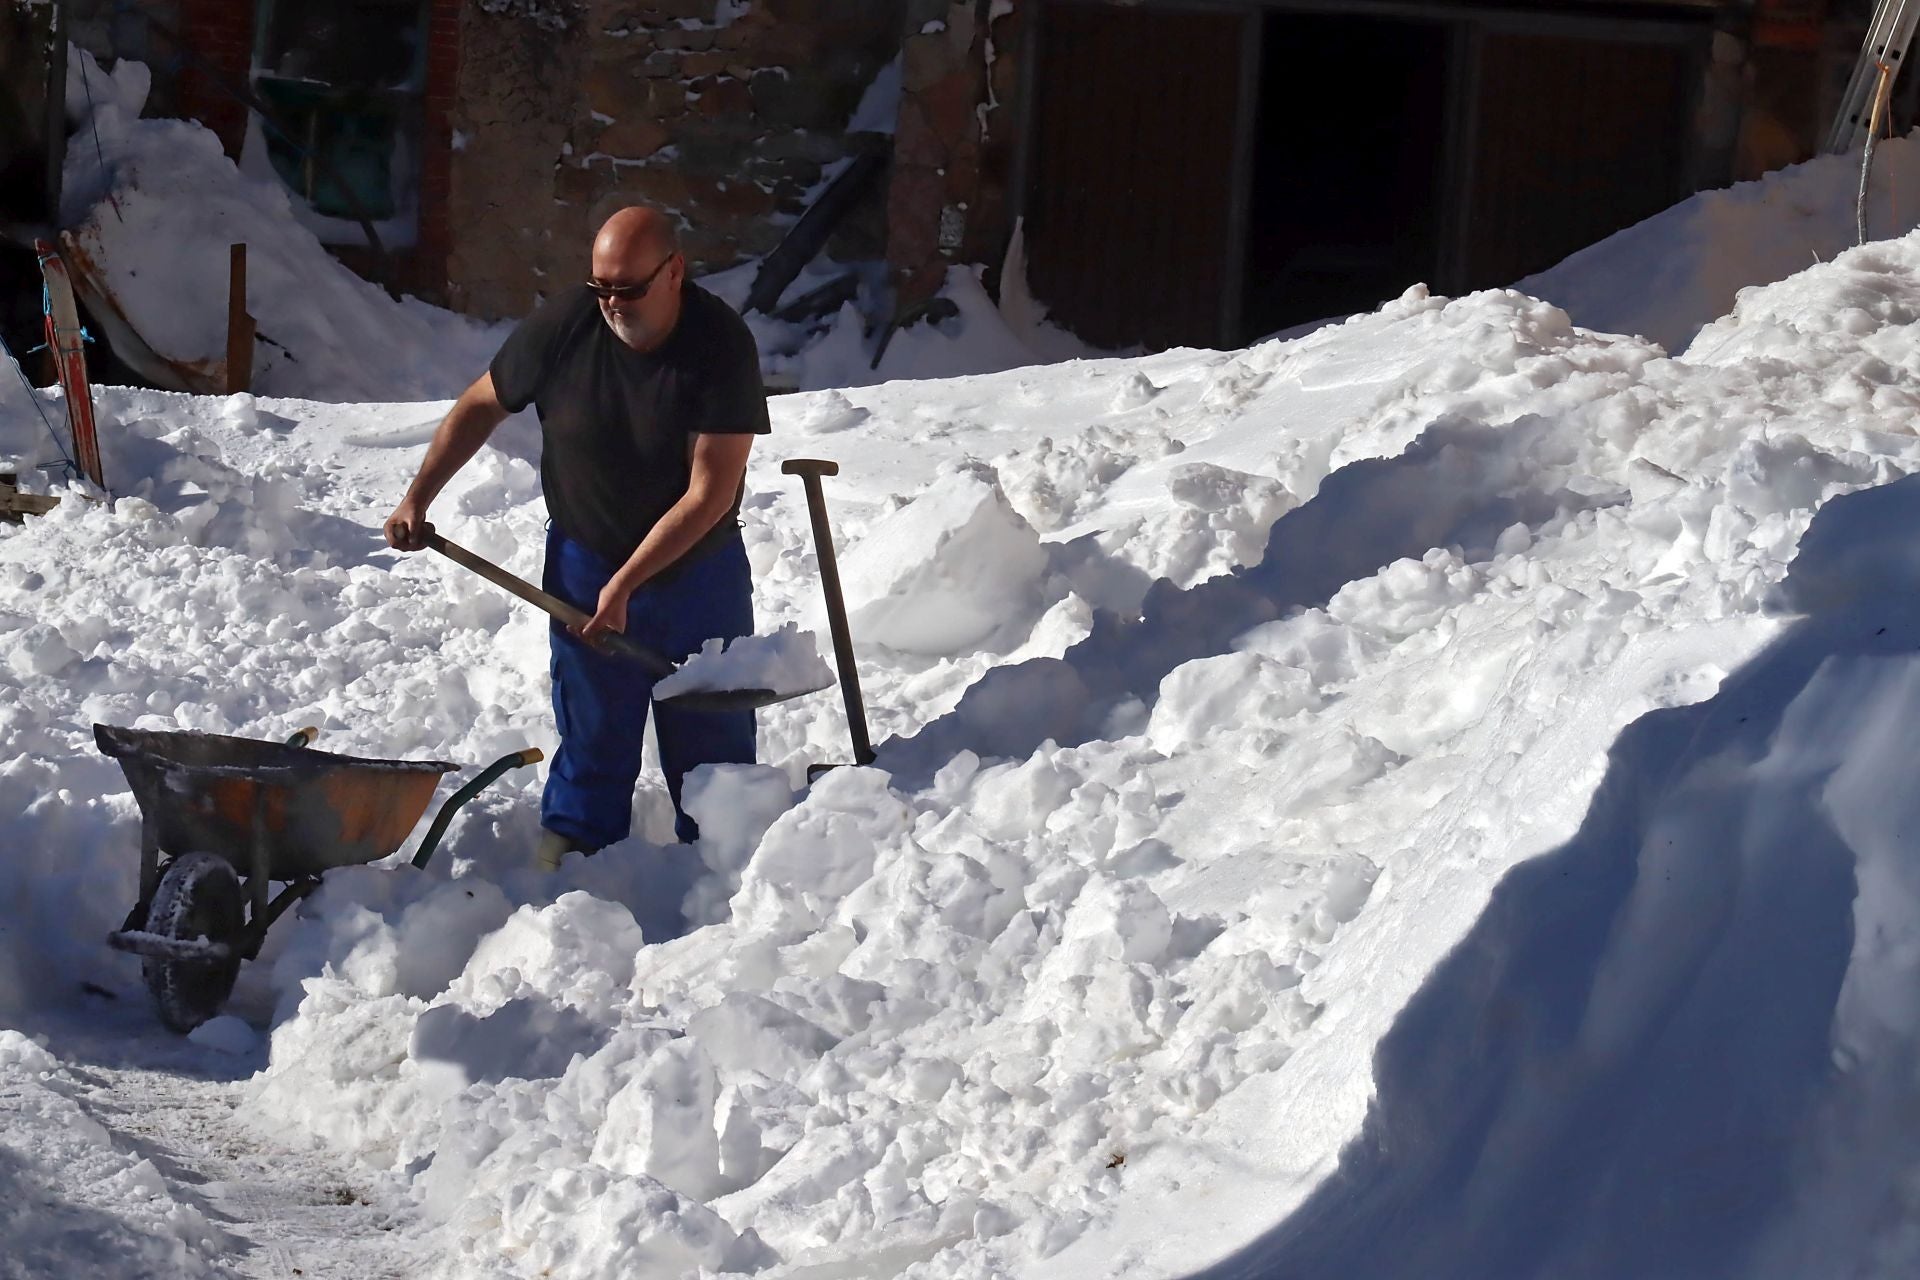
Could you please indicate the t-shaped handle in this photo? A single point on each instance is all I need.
(810, 470)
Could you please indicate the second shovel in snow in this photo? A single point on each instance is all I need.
(696, 694)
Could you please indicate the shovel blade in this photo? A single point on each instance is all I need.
(730, 699)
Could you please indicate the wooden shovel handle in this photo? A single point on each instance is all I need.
(810, 470)
(657, 664)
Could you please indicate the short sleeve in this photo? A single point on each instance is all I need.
(521, 366)
(735, 400)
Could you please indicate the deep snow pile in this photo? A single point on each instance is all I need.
(1224, 690)
(1670, 275)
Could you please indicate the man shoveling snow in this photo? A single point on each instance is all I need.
(647, 418)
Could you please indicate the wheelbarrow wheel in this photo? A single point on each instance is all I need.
(198, 897)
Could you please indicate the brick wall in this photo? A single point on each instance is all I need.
(221, 32)
(724, 113)
(435, 241)
(949, 198)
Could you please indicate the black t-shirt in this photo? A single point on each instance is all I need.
(616, 424)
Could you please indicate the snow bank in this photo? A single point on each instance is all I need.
(961, 1013)
(1677, 271)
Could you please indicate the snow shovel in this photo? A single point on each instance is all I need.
(656, 664)
(810, 470)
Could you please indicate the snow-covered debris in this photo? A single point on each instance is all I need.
(158, 205)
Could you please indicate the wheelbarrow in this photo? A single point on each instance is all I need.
(222, 819)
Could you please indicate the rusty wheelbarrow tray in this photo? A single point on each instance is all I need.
(223, 818)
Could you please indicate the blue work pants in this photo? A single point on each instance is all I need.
(601, 701)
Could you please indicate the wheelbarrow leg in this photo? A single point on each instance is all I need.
(258, 884)
(149, 861)
(149, 873)
(255, 933)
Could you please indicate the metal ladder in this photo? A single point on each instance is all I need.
(1887, 39)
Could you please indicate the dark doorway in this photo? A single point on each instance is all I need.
(1213, 175)
(1348, 158)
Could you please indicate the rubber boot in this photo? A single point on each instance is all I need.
(552, 848)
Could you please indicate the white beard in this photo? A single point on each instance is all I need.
(632, 335)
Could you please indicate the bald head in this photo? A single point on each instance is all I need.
(637, 262)
(633, 240)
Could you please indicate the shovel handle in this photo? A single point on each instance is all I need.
(810, 470)
(655, 663)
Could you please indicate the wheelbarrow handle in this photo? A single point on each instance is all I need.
(515, 760)
(655, 663)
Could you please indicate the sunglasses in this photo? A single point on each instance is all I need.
(624, 292)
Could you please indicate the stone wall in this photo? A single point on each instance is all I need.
(949, 200)
(722, 112)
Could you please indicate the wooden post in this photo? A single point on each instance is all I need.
(239, 323)
(64, 339)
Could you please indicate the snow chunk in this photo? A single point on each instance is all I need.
(591, 1224)
(822, 850)
(734, 805)
(787, 662)
(226, 1034)
(746, 1032)
(19, 1050)
(947, 571)
(41, 651)
(575, 951)
(661, 1122)
(1199, 698)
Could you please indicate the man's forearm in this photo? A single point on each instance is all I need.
(671, 537)
(460, 434)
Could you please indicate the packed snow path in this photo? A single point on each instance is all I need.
(187, 1189)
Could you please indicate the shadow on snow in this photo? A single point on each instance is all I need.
(1683, 1043)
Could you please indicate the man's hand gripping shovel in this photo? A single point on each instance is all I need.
(651, 660)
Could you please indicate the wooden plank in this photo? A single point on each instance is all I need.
(1130, 193)
(15, 506)
(1576, 139)
(64, 341)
